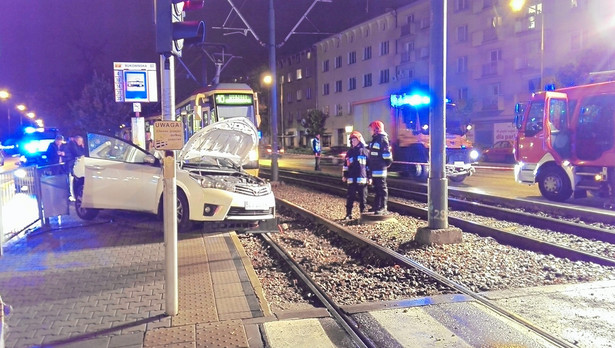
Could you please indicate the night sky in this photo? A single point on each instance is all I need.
(50, 48)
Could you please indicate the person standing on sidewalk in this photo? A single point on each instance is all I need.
(316, 149)
(356, 173)
(380, 159)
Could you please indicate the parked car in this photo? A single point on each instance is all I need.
(268, 150)
(211, 184)
(337, 154)
(501, 151)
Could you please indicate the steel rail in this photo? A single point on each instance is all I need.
(347, 323)
(408, 262)
(499, 235)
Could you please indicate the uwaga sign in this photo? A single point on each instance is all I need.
(168, 135)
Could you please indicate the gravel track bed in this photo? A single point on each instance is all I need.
(479, 263)
(346, 272)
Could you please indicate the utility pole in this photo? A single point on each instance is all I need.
(274, 95)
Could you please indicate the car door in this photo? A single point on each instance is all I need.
(118, 175)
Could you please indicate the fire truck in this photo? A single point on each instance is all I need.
(410, 139)
(566, 142)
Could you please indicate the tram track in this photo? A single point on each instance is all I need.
(328, 184)
(387, 256)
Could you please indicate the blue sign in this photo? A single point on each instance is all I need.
(135, 84)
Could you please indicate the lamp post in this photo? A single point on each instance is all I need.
(518, 5)
(5, 95)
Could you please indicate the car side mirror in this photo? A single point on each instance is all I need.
(150, 159)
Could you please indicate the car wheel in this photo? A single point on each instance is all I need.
(554, 184)
(83, 213)
(183, 213)
(457, 178)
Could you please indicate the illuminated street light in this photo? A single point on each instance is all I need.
(267, 79)
(518, 5)
(4, 95)
(39, 123)
(31, 114)
(21, 107)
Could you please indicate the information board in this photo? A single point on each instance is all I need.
(135, 82)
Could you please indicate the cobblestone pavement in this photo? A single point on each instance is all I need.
(77, 283)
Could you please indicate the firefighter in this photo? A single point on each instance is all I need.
(380, 159)
(355, 173)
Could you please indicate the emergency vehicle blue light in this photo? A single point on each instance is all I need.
(550, 87)
(398, 100)
(29, 130)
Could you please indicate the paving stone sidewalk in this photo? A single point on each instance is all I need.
(94, 284)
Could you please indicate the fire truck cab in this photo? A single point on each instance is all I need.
(566, 141)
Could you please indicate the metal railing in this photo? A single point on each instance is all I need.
(21, 198)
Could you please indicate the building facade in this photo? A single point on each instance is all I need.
(496, 57)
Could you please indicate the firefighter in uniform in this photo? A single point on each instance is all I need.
(380, 159)
(355, 173)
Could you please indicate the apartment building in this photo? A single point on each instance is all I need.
(496, 57)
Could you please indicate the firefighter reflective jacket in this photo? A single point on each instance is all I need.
(355, 165)
(380, 157)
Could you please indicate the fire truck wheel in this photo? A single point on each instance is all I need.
(554, 184)
(421, 173)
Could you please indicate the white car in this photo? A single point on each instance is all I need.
(211, 185)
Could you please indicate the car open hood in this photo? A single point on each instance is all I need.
(232, 138)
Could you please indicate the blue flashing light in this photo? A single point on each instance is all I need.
(398, 100)
(29, 130)
(550, 87)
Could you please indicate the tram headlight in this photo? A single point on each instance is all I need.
(253, 155)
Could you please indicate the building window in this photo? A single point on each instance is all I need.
(341, 136)
(462, 93)
(367, 53)
(495, 55)
(384, 76)
(309, 55)
(299, 75)
(338, 86)
(494, 89)
(462, 64)
(352, 83)
(462, 33)
(338, 62)
(367, 80)
(325, 89)
(325, 66)
(410, 19)
(299, 95)
(339, 110)
(308, 72)
(352, 57)
(461, 5)
(308, 93)
(384, 48)
(290, 77)
(366, 32)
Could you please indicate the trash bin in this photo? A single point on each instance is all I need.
(54, 194)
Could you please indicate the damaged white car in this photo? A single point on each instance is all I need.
(211, 185)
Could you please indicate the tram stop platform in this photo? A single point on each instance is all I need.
(101, 284)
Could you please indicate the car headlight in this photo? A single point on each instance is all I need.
(209, 182)
(474, 155)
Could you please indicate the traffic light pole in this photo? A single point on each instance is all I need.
(167, 73)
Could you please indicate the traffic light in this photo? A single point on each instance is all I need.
(172, 32)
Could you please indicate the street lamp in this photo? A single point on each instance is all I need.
(518, 5)
(5, 95)
(268, 80)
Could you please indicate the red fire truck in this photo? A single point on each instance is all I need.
(566, 142)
